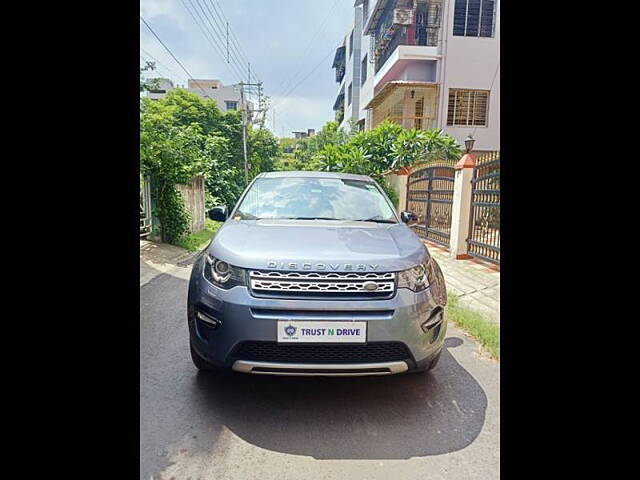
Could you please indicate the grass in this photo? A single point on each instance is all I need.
(199, 240)
(486, 332)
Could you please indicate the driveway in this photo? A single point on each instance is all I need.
(444, 424)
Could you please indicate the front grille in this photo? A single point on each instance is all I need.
(316, 284)
(315, 353)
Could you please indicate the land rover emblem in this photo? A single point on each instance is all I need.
(370, 286)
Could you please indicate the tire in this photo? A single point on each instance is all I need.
(199, 362)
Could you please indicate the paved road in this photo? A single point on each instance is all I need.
(444, 424)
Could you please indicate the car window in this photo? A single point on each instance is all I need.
(311, 198)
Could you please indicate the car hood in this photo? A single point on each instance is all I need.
(318, 245)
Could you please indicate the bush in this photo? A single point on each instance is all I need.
(173, 215)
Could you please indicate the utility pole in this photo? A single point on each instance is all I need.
(245, 111)
(244, 133)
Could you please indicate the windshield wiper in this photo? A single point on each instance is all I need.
(312, 218)
(374, 219)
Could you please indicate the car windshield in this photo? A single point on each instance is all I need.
(315, 199)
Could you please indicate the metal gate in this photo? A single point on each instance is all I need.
(484, 227)
(145, 206)
(430, 197)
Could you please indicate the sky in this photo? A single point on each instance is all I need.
(284, 41)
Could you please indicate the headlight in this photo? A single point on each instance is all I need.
(222, 274)
(417, 278)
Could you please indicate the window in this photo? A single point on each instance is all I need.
(308, 198)
(231, 105)
(350, 93)
(365, 11)
(351, 44)
(468, 107)
(363, 71)
(474, 18)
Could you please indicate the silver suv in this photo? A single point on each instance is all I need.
(313, 273)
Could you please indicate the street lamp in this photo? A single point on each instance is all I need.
(468, 143)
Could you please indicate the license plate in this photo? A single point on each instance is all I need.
(321, 332)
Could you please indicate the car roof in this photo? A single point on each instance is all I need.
(308, 174)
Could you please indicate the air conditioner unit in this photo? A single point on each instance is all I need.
(403, 16)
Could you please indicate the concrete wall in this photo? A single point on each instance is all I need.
(471, 62)
(457, 62)
(366, 90)
(399, 183)
(217, 91)
(352, 71)
(419, 71)
(193, 195)
(214, 89)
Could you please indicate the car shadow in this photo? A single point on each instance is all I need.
(386, 417)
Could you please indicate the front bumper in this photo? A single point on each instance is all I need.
(323, 369)
(245, 318)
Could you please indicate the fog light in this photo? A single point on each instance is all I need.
(212, 322)
(434, 319)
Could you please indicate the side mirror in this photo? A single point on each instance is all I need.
(407, 217)
(219, 214)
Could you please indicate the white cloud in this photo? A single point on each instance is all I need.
(275, 41)
(299, 114)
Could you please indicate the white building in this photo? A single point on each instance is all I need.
(158, 87)
(227, 97)
(423, 64)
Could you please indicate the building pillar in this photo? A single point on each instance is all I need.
(408, 109)
(402, 177)
(461, 208)
(398, 180)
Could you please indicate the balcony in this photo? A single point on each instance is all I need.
(403, 37)
(339, 63)
(338, 106)
(396, 23)
(409, 104)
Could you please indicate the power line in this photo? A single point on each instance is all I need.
(285, 109)
(206, 31)
(306, 51)
(159, 63)
(173, 56)
(219, 32)
(224, 22)
(234, 39)
(291, 90)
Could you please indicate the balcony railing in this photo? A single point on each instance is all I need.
(420, 123)
(424, 36)
(339, 63)
(424, 30)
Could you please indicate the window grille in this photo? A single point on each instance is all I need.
(468, 107)
(363, 72)
(474, 18)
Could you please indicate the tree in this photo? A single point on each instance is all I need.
(383, 149)
(263, 150)
(171, 154)
(183, 135)
(148, 84)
